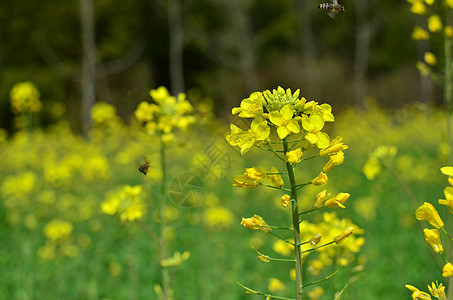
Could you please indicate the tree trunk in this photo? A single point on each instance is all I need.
(362, 48)
(88, 60)
(176, 46)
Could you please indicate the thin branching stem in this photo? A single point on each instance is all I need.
(250, 291)
(325, 278)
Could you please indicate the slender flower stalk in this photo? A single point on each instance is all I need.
(163, 223)
(295, 221)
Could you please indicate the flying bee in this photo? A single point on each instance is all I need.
(144, 167)
(332, 8)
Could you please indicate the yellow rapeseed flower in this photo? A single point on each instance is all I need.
(255, 173)
(284, 121)
(430, 58)
(437, 290)
(251, 107)
(336, 145)
(293, 156)
(285, 200)
(418, 8)
(245, 181)
(275, 285)
(256, 222)
(447, 270)
(432, 237)
(321, 197)
(448, 31)
(429, 2)
(450, 3)
(434, 23)
(58, 229)
(320, 180)
(25, 98)
(102, 112)
(276, 179)
(448, 201)
(347, 232)
(419, 34)
(429, 213)
(335, 160)
(338, 200)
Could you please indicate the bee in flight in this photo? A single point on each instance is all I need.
(144, 167)
(332, 8)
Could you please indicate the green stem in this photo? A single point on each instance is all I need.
(250, 291)
(295, 220)
(274, 187)
(325, 278)
(163, 223)
(282, 238)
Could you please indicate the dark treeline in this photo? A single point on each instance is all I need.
(225, 49)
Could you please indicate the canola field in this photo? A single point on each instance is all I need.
(148, 210)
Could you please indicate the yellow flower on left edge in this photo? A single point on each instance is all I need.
(259, 131)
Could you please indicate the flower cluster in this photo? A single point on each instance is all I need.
(165, 114)
(428, 213)
(435, 289)
(285, 113)
(434, 26)
(289, 126)
(25, 98)
(128, 203)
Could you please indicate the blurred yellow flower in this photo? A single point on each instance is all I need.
(218, 217)
(315, 293)
(176, 260)
(430, 58)
(423, 69)
(420, 34)
(102, 112)
(432, 237)
(128, 203)
(282, 248)
(428, 213)
(418, 8)
(450, 3)
(434, 23)
(25, 98)
(275, 285)
(429, 2)
(448, 31)
(58, 229)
